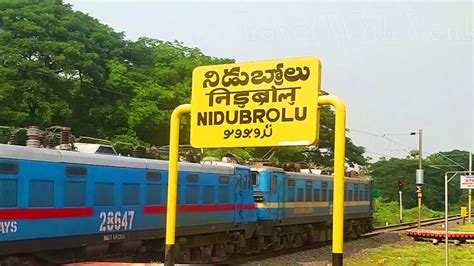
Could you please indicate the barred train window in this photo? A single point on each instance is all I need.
(76, 171)
(9, 168)
(274, 184)
(324, 191)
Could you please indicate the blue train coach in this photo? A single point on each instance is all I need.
(87, 205)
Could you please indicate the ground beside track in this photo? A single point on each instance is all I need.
(393, 248)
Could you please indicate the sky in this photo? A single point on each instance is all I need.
(399, 66)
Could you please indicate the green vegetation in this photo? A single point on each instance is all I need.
(63, 67)
(388, 172)
(417, 253)
(389, 213)
(463, 228)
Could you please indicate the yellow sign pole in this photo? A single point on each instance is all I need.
(173, 182)
(339, 160)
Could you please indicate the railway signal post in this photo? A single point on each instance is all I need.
(258, 104)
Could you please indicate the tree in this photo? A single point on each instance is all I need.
(388, 172)
(62, 67)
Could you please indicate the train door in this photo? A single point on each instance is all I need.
(241, 184)
(277, 187)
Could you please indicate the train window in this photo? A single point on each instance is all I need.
(291, 182)
(366, 190)
(74, 194)
(361, 195)
(309, 193)
(208, 196)
(9, 168)
(153, 175)
(324, 191)
(224, 194)
(356, 195)
(245, 182)
(291, 194)
(238, 181)
(331, 195)
(255, 178)
(41, 193)
(349, 196)
(192, 178)
(224, 179)
(153, 194)
(73, 171)
(299, 194)
(192, 194)
(249, 183)
(8, 192)
(316, 193)
(104, 194)
(309, 183)
(274, 184)
(131, 194)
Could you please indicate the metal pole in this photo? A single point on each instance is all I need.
(469, 204)
(339, 160)
(446, 218)
(420, 143)
(401, 208)
(420, 156)
(173, 182)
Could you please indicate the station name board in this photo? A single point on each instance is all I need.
(267, 103)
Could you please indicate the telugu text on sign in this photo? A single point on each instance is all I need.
(267, 103)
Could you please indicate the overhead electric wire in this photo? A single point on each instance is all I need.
(384, 136)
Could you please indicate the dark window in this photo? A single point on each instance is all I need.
(192, 178)
(76, 171)
(366, 190)
(105, 150)
(8, 192)
(274, 184)
(238, 180)
(9, 168)
(41, 193)
(324, 191)
(244, 182)
(153, 175)
(299, 194)
(356, 192)
(192, 194)
(74, 194)
(291, 194)
(349, 197)
(153, 194)
(331, 195)
(361, 195)
(131, 194)
(224, 194)
(104, 194)
(255, 178)
(316, 194)
(309, 183)
(309, 194)
(224, 179)
(208, 196)
(291, 182)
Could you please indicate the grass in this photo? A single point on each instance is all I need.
(463, 228)
(389, 213)
(418, 253)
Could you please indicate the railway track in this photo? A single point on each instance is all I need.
(377, 231)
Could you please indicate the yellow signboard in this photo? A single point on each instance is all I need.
(463, 212)
(267, 103)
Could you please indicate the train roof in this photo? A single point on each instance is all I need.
(308, 176)
(60, 156)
